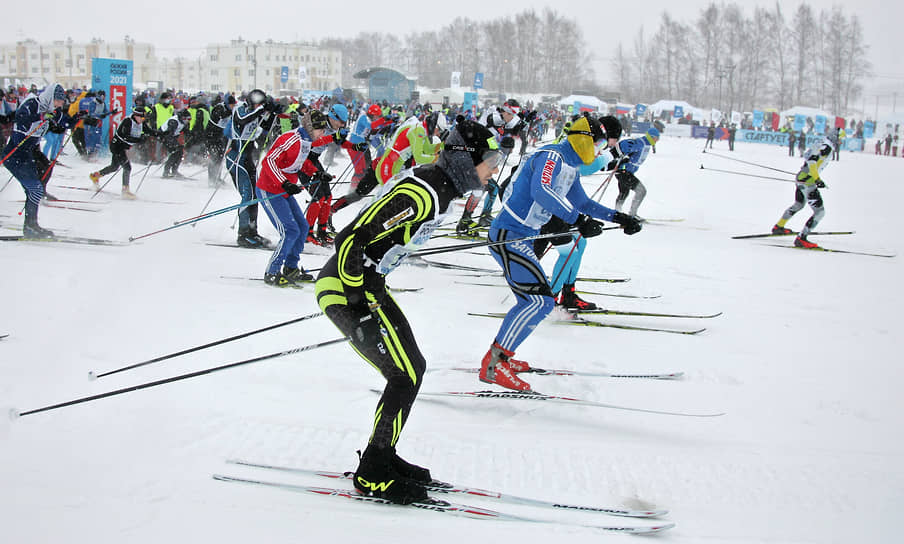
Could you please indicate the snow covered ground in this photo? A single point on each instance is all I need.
(801, 361)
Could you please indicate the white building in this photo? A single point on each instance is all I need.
(69, 63)
(235, 66)
(244, 65)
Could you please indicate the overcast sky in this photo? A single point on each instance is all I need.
(177, 31)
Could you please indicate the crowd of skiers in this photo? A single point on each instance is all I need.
(419, 161)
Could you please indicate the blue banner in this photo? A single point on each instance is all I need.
(470, 102)
(757, 118)
(781, 138)
(115, 77)
(639, 110)
(679, 112)
(478, 80)
(852, 144)
(284, 74)
(869, 128)
(640, 127)
(820, 124)
(799, 121)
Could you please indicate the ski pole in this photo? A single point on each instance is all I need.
(191, 220)
(93, 376)
(209, 200)
(25, 139)
(745, 174)
(601, 189)
(217, 185)
(145, 170)
(109, 179)
(54, 161)
(13, 413)
(750, 163)
(446, 249)
(7, 182)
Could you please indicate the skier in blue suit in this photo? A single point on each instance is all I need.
(546, 184)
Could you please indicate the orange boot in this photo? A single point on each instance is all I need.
(496, 368)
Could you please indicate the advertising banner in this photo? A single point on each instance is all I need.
(679, 112)
(869, 128)
(757, 118)
(478, 80)
(781, 138)
(820, 124)
(470, 102)
(639, 110)
(799, 122)
(115, 77)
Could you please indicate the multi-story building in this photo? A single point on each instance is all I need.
(239, 65)
(69, 63)
(244, 65)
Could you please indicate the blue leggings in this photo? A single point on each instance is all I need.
(287, 217)
(244, 176)
(565, 271)
(52, 144)
(525, 276)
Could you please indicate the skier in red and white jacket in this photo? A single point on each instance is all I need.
(287, 157)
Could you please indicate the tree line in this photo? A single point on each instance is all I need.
(524, 52)
(725, 58)
(733, 61)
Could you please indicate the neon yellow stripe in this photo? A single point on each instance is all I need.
(328, 283)
(396, 428)
(342, 254)
(377, 416)
(329, 300)
(397, 350)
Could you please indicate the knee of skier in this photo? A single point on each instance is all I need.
(548, 304)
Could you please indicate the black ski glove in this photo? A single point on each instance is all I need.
(291, 188)
(340, 135)
(361, 146)
(820, 184)
(324, 176)
(588, 226)
(366, 325)
(629, 223)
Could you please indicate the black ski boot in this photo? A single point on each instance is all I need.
(410, 471)
(323, 237)
(377, 477)
(31, 229)
(296, 274)
(571, 301)
(466, 225)
(280, 280)
(485, 220)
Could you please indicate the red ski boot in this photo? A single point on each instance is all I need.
(801, 241)
(571, 301)
(780, 230)
(496, 368)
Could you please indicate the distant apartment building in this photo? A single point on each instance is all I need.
(238, 65)
(69, 63)
(244, 65)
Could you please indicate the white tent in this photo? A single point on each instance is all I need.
(669, 105)
(807, 111)
(583, 99)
